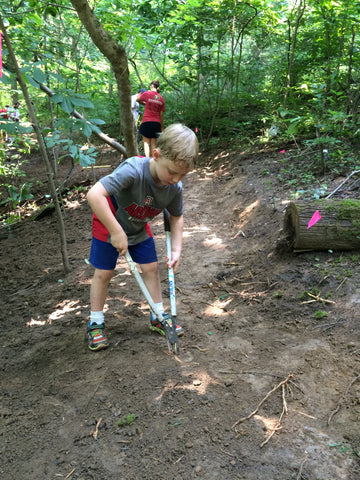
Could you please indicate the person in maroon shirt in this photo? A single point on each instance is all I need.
(152, 121)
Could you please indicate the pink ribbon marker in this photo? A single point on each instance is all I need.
(314, 219)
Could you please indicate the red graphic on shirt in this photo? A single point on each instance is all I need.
(142, 212)
(102, 233)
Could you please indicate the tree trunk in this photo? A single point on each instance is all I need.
(44, 155)
(338, 228)
(291, 53)
(117, 57)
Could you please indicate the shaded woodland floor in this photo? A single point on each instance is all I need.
(264, 387)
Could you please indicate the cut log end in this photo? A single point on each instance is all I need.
(337, 229)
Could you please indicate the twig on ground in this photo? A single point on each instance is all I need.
(97, 387)
(249, 373)
(317, 299)
(227, 453)
(342, 398)
(96, 431)
(240, 232)
(198, 348)
(284, 382)
(299, 475)
(278, 425)
(344, 280)
(326, 326)
(247, 283)
(69, 474)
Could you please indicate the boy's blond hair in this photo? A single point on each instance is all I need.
(179, 144)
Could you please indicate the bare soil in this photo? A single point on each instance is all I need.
(266, 385)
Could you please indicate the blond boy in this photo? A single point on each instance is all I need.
(123, 203)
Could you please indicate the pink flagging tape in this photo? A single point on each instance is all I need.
(314, 219)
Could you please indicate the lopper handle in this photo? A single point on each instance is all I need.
(142, 286)
(166, 221)
(170, 270)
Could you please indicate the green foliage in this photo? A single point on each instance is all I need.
(82, 154)
(16, 195)
(127, 420)
(69, 101)
(223, 67)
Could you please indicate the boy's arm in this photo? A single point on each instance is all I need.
(176, 235)
(97, 198)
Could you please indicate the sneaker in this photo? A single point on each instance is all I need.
(156, 326)
(97, 337)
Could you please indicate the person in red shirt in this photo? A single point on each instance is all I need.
(152, 121)
(3, 112)
(4, 115)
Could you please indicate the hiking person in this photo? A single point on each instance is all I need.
(152, 122)
(4, 116)
(14, 113)
(135, 106)
(123, 203)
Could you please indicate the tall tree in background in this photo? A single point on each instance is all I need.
(117, 57)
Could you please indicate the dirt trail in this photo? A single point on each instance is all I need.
(252, 340)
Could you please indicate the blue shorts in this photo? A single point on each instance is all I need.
(104, 256)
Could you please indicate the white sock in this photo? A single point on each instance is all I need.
(160, 307)
(97, 318)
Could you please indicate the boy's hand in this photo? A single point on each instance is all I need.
(175, 259)
(119, 241)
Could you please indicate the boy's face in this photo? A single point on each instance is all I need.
(166, 172)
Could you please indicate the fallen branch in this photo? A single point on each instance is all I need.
(342, 183)
(284, 382)
(278, 425)
(339, 405)
(317, 299)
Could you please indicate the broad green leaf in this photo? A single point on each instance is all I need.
(67, 106)
(5, 80)
(31, 80)
(56, 77)
(73, 150)
(87, 130)
(97, 121)
(81, 102)
(57, 98)
(35, 18)
(23, 129)
(40, 76)
(96, 129)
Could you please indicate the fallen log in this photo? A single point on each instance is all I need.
(337, 229)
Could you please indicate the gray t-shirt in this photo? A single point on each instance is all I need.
(137, 199)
